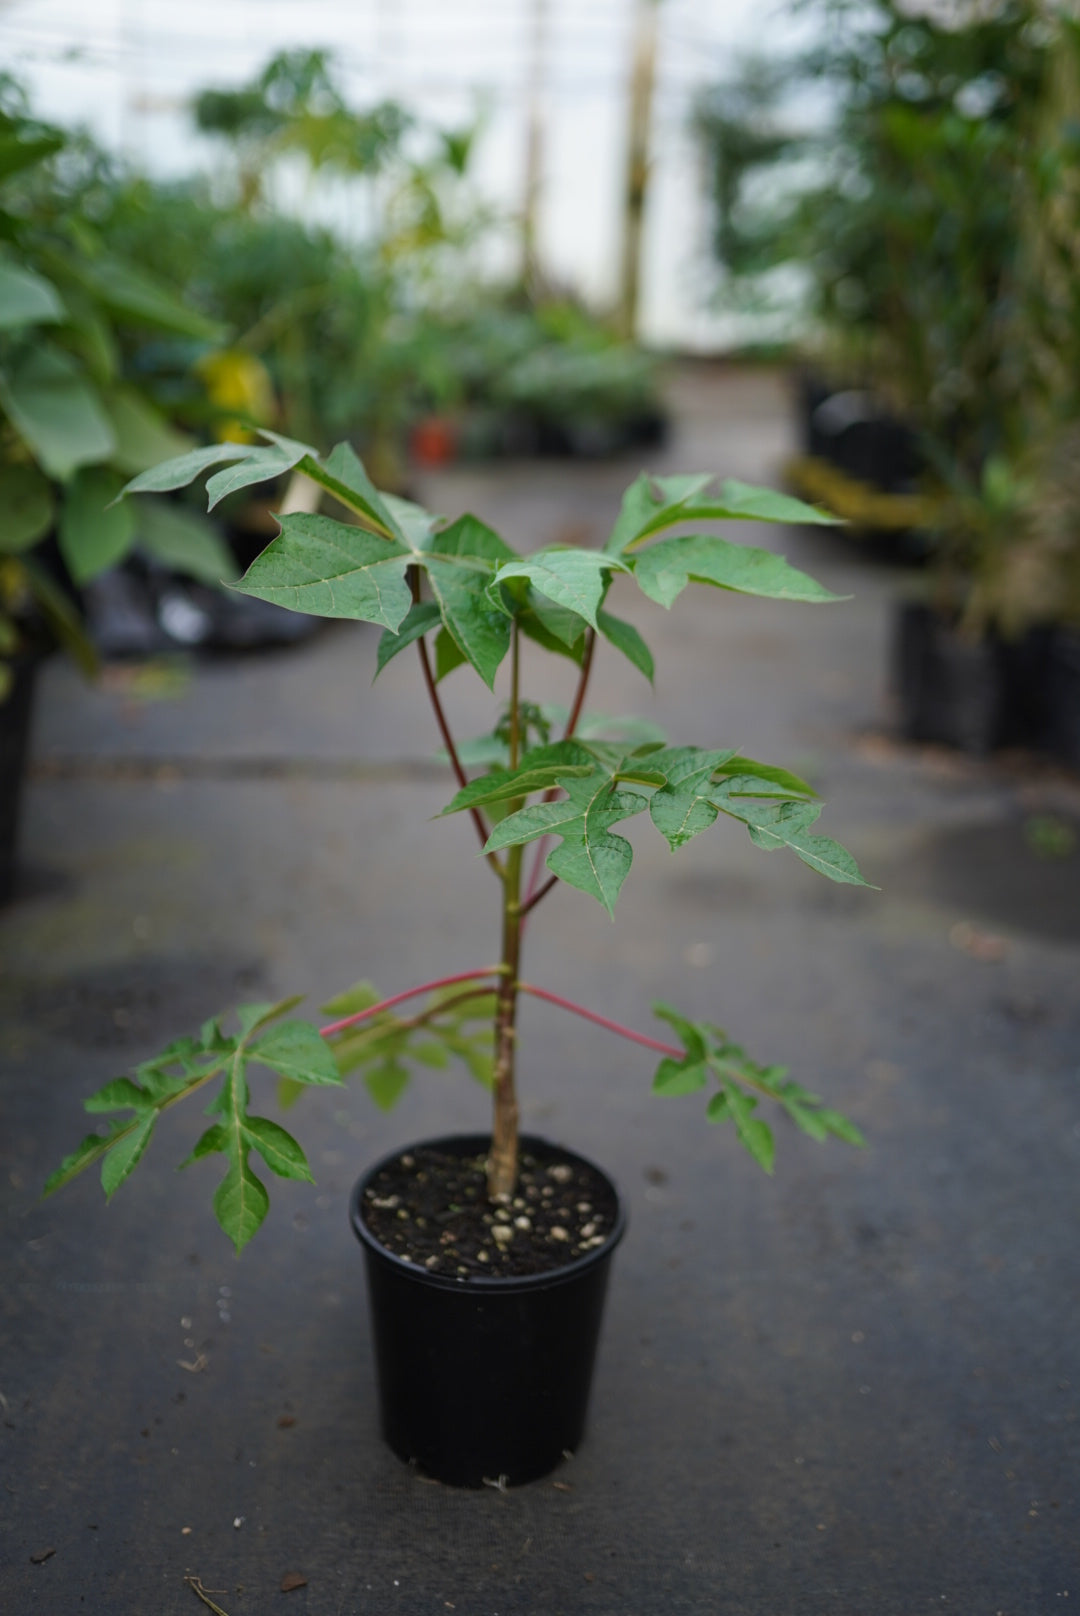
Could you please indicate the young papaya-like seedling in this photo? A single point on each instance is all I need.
(559, 780)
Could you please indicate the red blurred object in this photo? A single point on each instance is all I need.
(433, 441)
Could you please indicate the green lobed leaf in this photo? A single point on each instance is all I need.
(676, 1078)
(786, 824)
(749, 502)
(420, 619)
(561, 625)
(718, 1109)
(56, 411)
(791, 783)
(184, 469)
(589, 856)
(119, 1095)
(94, 532)
(361, 996)
(690, 1035)
(260, 465)
(386, 1083)
(625, 638)
(253, 1016)
(278, 1149)
(573, 578)
(90, 1150)
(448, 656)
(212, 1142)
(326, 568)
(295, 1049)
(540, 769)
(343, 475)
(126, 1153)
(650, 504)
(26, 502)
(241, 1203)
(683, 807)
(664, 570)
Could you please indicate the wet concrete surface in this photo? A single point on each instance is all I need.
(848, 1391)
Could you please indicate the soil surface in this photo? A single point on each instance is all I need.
(432, 1209)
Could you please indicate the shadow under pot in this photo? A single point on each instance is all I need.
(484, 1378)
(950, 689)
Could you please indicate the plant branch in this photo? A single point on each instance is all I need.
(451, 749)
(583, 684)
(425, 1017)
(603, 1021)
(410, 993)
(532, 901)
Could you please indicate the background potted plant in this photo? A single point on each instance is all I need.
(487, 1256)
(75, 423)
(931, 222)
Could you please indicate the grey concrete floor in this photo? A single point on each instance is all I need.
(851, 1390)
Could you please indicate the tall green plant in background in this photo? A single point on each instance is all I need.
(937, 229)
(75, 422)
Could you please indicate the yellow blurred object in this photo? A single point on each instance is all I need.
(858, 502)
(236, 380)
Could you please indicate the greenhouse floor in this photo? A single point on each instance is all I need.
(851, 1390)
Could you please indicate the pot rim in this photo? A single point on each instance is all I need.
(500, 1284)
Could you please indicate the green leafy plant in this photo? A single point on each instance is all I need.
(459, 594)
(73, 425)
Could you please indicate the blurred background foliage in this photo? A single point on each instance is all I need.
(909, 190)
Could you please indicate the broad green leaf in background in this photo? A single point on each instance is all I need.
(55, 410)
(573, 578)
(94, 532)
(26, 507)
(665, 568)
(144, 438)
(134, 296)
(329, 569)
(17, 154)
(183, 540)
(26, 298)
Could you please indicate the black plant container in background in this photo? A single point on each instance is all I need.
(482, 1379)
(1062, 696)
(950, 689)
(16, 712)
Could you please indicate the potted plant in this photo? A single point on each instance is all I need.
(73, 427)
(487, 1256)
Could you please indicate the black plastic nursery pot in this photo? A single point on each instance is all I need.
(16, 711)
(484, 1380)
(949, 689)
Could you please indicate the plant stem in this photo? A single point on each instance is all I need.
(502, 1163)
(532, 896)
(409, 993)
(602, 1021)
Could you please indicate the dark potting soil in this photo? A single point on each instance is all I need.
(432, 1209)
